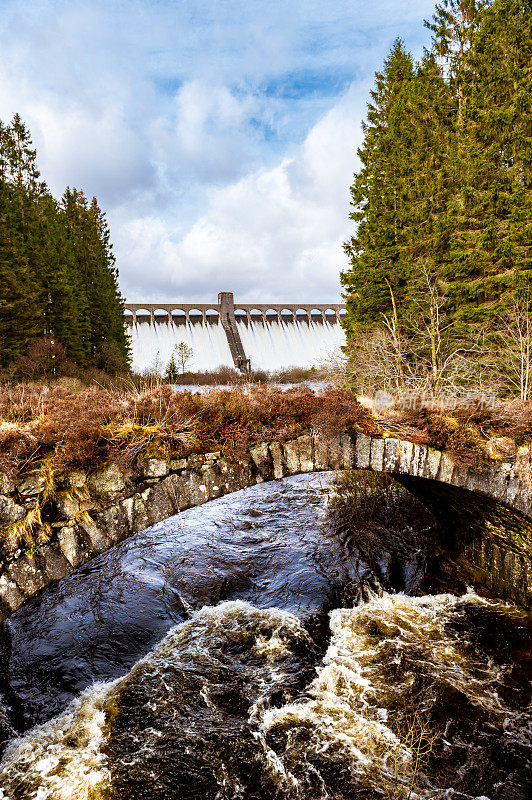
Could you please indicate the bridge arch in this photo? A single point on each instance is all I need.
(179, 316)
(485, 514)
(196, 315)
(143, 314)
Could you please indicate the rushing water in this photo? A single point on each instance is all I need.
(221, 655)
(270, 346)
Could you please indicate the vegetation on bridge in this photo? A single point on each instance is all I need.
(98, 426)
(95, 427)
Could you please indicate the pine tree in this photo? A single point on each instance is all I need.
(462, 152)
(491, 248)
(19, 312)
(172, 372)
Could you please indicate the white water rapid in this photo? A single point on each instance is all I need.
(270, 346)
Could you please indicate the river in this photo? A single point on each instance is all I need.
(243, 649)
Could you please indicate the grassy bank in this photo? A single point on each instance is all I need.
(90, 428)
(94, 426)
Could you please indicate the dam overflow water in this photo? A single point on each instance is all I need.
(270, 346)
(236, 651)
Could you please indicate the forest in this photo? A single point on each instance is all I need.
(440, 260)
(60, 306)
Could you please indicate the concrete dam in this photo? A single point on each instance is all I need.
(261, 336)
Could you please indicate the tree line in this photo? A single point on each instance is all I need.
(442, 200)
(58, 276)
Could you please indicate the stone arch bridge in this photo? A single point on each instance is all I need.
(484, 514)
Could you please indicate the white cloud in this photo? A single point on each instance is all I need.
(272, 234)
(220, 137)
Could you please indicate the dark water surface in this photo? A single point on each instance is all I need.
(268, 545)
(220, 655)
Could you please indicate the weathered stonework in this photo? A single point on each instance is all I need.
(485, 514)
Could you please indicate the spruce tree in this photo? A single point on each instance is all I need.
(377, 251)
(462, 152)
(491, 248)
(58, 277)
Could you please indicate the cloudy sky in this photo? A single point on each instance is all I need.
(219, 136)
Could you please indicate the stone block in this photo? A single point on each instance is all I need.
(10, 512)
(279, 465)
(196, 488)
(391, 454)
(460, 476)
(128, 510)
(512, 490)
(27, 575)
(445, 472)
(114, 522)
(334, 447)
(31, 486)
(499, 485)
(245, 472)
(96, 539)
(178, 464)
(485, 479)
(321, 453)
(212, 458)
(291, 454)
(406, 450)
(71, 546)
(195, 461)
(155, 468)
(77, 478)
(523, 500)
(377, 455)
(212, 478)
(67, 506)
(10, 594)
(177, 489)
(432, 463)
(348, 450)
(263, 461)
(107, 481)
(305, 453)
(158, 504)
(419, 456)
(363, 451)
(54, 563)
(142, 520)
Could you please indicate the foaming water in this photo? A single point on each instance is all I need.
(225, 706)
(62, 759)
(220, 656)
(387, 703)
(270, 346)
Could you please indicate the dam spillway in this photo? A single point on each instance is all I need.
(271, 337)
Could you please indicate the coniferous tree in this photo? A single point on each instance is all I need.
(379, 197)
(462, 152)
(58, 277)
(491, 248)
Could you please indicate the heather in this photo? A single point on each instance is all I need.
(96, 426)
(88, 429)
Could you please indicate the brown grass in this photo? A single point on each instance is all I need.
(93, 427)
